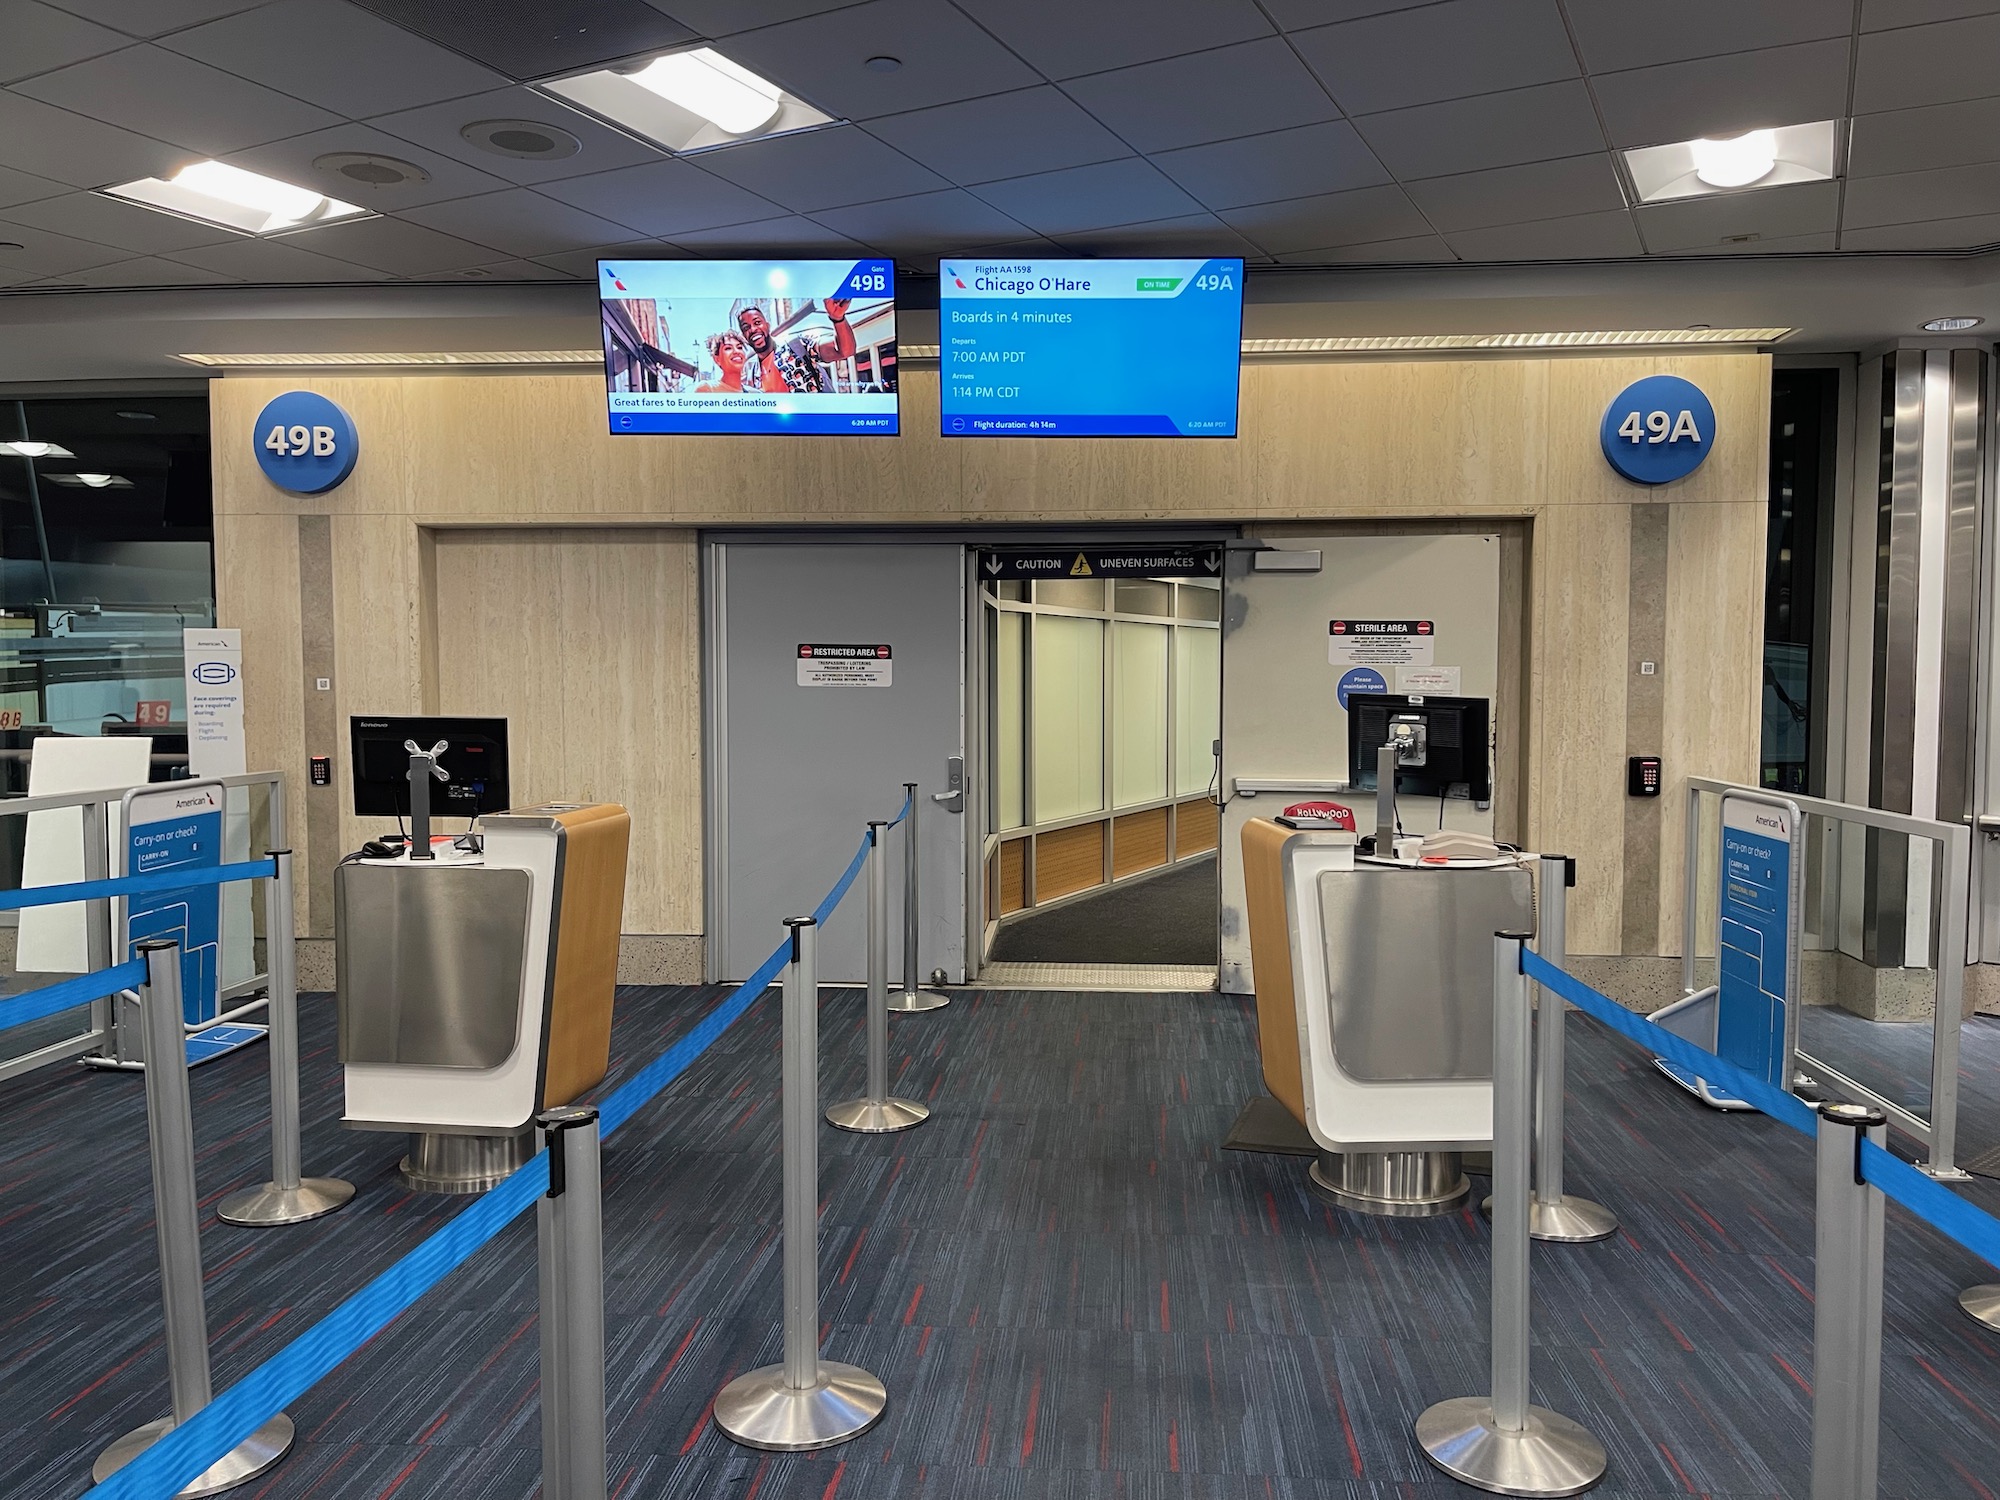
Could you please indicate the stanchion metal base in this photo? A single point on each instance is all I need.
(872, 1117)
(1393, 1184)
(240, 1465)
(464, 1163)
(910, 1001)
(759, 1410)
(1566, 1221)
(259, 1207)
(1982, 1304)
(1551, 1456)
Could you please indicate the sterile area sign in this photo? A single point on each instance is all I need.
(1757, 932)
(1378, 643)
(834, 665)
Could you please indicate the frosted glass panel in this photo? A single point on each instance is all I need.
(1138, 713)
(1009, 719)
(1069, 716)
(1197, 706)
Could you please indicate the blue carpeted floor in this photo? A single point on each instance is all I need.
(1069, 1289)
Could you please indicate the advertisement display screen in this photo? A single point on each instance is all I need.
(1090, 348)
(749, 346)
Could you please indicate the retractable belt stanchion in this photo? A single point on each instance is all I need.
(1500, 1442)
(1847, 1307)
(1982, 1304)
(806, 1402)
(569, 1230)
(287, 1198)
(876, 1112)
(912, 996)
(170, 1124)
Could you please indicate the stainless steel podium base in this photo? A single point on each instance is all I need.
(1982, 1304)
(759, 1410)
(464, 1163)
(867, 1117)
(1551, 1456)
(909, 1001)
(1394, 1184)
(1567, 1221)
(259, 1207)
(240, 1465)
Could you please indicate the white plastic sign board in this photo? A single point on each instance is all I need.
(824, 665)
(54, 939)
(214, 665)
(1380, 643)
(1428, 682)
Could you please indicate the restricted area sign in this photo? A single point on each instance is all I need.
(837, 665)
(1375, 643)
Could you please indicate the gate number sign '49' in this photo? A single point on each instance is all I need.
(1658, 429)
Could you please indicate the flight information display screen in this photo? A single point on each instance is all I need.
(749, 346)
(1090, 348)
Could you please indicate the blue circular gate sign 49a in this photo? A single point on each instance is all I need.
(304, 443)
(1658, 429)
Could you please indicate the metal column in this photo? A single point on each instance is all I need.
(805, 1402)
(569, 1232)
(1847, 1308)
(875, 1112)
(912, 997)
(170, 1124)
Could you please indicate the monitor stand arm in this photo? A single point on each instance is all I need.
(423, 766)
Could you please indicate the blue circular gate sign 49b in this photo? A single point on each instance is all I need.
(1658, 429)
(304, 443)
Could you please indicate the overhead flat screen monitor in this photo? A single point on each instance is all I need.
(474, 760)
(749, 346)
(1442, 744)
(1090, 348)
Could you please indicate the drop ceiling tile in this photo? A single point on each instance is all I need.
(394, 246)
(525, 39)
(714, 18)
(1353, 218)
(1784, 244)
(1600, 236)
(1564, 188)
(789, 236)
(155, 17)
(1616, 34)
(1422, 248)
(823, 58)
(1325, 158)
(53, 143)
(333, 55)
(1191, 235)
(1884, 15)
(26, 249)
(1772, 213)
(1719, 96)
(1914, 140)
(816, 169)
(1920, 197)
(124, 226)
(1247, 89)
(293, 161)
(582, 264)
(1102, 196)
(519, 221)
(1001, 135)
(24, 187)
(1978, 231)
(174, 98)
(514, 270)
(663, 198)
(144, 270)
(1493, 130)
(928, 223)
(1064, 39)
(436, 127)
(1439, 52)
(1928, 65)
(40, 38)
(1297, 15)
(274, 262)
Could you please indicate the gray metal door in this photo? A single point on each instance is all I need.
(796, 770)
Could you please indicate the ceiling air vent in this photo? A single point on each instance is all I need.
(524, 140)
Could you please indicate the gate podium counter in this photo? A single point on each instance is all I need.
(1375, 1008)
(475, 988)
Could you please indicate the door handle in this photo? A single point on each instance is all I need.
(952, 798)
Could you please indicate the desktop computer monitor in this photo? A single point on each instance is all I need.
(474, 760)
(1444, 743)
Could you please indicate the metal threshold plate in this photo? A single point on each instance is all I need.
(1173, 978)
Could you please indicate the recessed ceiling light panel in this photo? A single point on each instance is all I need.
(27, 449)
(1952, 325)
(1734, 164)
(693, 100)
(91, 481)
(214, 192)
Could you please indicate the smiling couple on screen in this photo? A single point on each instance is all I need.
(797, 366)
